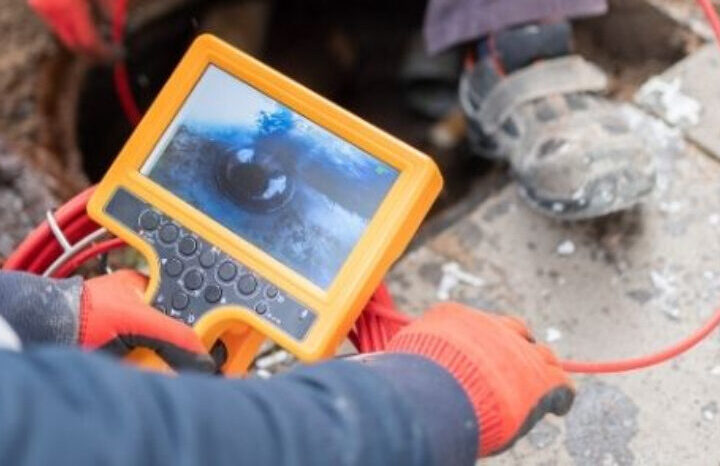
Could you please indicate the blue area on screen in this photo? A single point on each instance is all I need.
(296, 191)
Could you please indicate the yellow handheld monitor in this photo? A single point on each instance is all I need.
(264, 210)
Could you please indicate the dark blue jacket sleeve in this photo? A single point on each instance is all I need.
(64, 407)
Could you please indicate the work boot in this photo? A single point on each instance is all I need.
(532, 103)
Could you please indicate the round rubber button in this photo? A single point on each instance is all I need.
(208, 258)
(213, 293)
(271, 292)
(247, 284)
(149, 220)
(174, 267)
(261, 308)
(180, 300)
(193, 280)
(227, 271)
(169, 232)
(188, 245)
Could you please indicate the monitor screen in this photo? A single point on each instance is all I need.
(288, 186)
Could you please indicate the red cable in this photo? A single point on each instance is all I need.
(712, 17)
(624, 365)
(86, 254)
(120, 73)
(42, 236)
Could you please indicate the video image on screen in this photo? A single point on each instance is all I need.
(293, 189)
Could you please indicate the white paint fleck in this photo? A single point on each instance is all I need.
(566, 248)
(552, 334)
(662, 282)
(670, 207)
(672, 312)
(709, 411)
(609, 460)
(454, 275)
(667, 99)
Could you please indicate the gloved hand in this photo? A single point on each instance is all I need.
(105, 313)
(511, 381)
(114, 317)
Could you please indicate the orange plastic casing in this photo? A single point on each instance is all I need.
(385, 238)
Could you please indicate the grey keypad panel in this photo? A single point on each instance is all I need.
(196, 277)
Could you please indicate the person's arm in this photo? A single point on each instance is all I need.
(61, 406)
(458, 384)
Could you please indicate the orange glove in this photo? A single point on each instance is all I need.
(114, 317)
(511, 381)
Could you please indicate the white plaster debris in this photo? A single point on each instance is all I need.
(609, 460)
(670, 207)
(662, 282)
(672, 312)
(553, 334)
(709, 411)
(453, 275)
(566, 248)
(667, 99)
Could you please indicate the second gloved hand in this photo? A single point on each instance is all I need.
(510, 381)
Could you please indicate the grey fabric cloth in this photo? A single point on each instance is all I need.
(39, 309)
(452, 22)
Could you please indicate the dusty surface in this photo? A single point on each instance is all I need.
(611, 288)
(616, 287)
(37, 81)
(25, 196)
(37, 167)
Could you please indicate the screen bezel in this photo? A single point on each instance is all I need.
(386, 235)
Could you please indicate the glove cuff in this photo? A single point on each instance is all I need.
(40, 309)
(491, 431)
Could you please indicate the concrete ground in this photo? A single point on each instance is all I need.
(616, 287)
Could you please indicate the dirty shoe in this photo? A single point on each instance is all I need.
(571, 150)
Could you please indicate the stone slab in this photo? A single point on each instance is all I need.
(615, 287)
